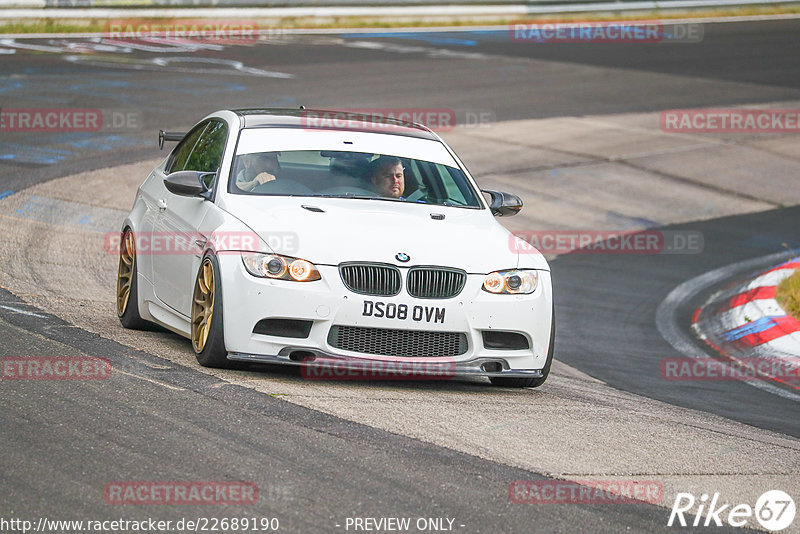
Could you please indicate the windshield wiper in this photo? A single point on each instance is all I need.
(359, 197)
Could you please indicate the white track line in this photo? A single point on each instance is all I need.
(23, 312)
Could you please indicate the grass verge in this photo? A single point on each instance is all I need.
(54, 25)
(788, 295)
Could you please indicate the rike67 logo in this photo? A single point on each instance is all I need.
(774, 511)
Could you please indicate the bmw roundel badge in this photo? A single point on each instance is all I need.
(402, 256)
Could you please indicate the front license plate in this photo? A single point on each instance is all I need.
(403, 312)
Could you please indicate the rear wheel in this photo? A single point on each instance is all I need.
(127, 285)
(509, 382)
(208, 339)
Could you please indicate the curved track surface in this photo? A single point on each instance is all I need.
(619, 336)
(584, 151)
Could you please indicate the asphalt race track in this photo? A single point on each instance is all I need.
(572, 128)
(482, 73)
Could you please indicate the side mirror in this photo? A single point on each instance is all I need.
(504, 204)
(188, 183)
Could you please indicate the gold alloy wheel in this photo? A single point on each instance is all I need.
(202, 305)
(127, 259)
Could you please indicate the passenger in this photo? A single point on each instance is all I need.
(259, 168)
(386, 175)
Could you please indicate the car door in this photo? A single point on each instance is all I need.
(179, 220)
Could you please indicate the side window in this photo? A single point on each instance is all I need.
(454, 192)
(207, 153)
(181, 153)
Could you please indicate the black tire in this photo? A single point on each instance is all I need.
(212, 352)
(509, 382)
(128, 313)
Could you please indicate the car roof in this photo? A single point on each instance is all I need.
(328, 119)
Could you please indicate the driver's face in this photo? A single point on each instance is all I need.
(390, 181)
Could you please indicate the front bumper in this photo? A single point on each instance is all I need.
(327, 303)
(377, 367)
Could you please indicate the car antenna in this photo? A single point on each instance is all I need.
(302, 106)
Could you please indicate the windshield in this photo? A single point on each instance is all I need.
(339, 174)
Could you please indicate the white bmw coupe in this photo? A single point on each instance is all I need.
(303, 236)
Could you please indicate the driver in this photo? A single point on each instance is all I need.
(259, 168)
(386, 175)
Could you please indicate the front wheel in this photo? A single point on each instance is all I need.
(208, 339)
(509, 382)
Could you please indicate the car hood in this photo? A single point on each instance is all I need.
(330, 231)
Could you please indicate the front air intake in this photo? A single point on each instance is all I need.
(402, 343)
(294, 328)
(501, 340)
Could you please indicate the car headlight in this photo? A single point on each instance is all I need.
(280, 267)
(512, 281)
